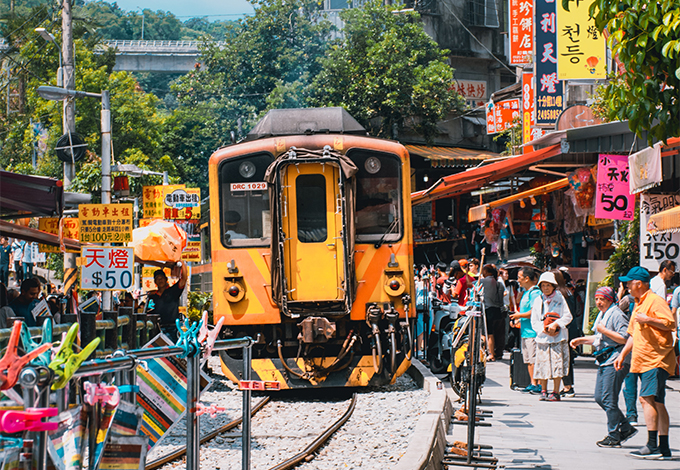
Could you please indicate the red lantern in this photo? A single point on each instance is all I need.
(121, 185)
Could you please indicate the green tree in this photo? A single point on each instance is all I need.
(646, 39)
(387, 72)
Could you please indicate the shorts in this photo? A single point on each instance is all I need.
(529, 350)
(653, 384)
(552, 360)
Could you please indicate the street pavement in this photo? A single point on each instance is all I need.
(530, 434)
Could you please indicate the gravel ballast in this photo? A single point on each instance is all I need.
(375, 437)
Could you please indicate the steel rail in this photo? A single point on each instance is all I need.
(159, 462)
(319, 441)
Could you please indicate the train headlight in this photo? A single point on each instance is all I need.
(394, 285)
(234, 291)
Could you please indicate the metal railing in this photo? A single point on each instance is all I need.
(35, 383)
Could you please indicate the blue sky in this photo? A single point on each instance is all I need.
(183, 9)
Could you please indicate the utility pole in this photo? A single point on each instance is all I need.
(69, 126)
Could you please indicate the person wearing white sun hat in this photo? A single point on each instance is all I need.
(550, 316)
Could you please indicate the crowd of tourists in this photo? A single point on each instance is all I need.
(632, 338)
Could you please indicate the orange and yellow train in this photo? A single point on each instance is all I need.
(312, 251)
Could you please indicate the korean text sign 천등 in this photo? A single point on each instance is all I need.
(105, 223)
(612, 197)
(581, 49)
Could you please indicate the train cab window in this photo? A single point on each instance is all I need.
(244, 201)
(311, 208)
(378, 196)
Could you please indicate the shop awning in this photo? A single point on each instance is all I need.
(479, 212)
(29, 196)
(665, 221)
(445, 157)
(469, 180)
(8, 229)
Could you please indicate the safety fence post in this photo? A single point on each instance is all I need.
(193, 432)
(111, 335)
(245, 435)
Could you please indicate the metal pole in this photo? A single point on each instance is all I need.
(193, 432)
(69, 126)
(473, 347)
(43, 402)
(107, 300)
(28, 378)
(245, 436)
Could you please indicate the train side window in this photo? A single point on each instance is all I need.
(378, 196)
(311, 208)
(244, 201)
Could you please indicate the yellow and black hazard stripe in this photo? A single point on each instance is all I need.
(360, 373)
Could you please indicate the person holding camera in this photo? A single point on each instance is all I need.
(610, 336)
(550, 316)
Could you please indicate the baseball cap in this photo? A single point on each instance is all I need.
(638, 273)
(463, 263)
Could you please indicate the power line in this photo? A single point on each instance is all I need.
(476, 39)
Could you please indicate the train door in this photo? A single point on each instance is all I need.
(312, 220)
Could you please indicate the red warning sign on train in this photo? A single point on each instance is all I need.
(258, 385)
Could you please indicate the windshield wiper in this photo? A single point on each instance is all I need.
(389, 230)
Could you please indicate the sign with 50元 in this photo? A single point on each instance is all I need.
(106, 268)
(613, 198)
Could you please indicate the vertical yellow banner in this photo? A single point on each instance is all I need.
(581, 49)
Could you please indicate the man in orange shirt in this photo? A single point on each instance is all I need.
(653, 359)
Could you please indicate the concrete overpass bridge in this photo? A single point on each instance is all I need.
(150, 56)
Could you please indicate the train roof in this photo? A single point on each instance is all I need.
(297, 121)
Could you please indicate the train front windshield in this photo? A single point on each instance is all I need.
(244, 201)
(378, 196)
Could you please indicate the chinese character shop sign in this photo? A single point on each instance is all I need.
(521, 31)
(105, 223)
(502, 115)
(581, 48)
(548, 86)
(106, 268)
(171, 202)
(70, 229)
(613, 198)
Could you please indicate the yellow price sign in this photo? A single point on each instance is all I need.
(70, 229)
(105, 223)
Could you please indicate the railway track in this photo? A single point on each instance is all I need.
(304, 456)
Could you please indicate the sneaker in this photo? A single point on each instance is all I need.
(568, 393)
(647, 453)
(628, 434)
(667, 456)
(528, 389)
(537, 390)
(544, 396)
(554, 396)
(608, 442)
(633, 420)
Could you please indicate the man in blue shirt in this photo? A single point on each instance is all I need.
(5, 251)
(27, 300)
(528, 279)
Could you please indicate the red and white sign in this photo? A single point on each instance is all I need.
(521, 31)
(258, 385)
(106, 267)
(471, 89)
(613, 198)
(503, 114)
(259, 186)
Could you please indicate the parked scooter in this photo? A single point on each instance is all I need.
(441, 335)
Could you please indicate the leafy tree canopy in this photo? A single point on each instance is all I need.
(34, 124)
(645, 90)
(387, 72)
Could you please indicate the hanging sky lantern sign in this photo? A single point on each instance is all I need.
(521, 32)
(613, 199)
(581, 49)
(105, 223)
(106, 268)
(549, 91)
